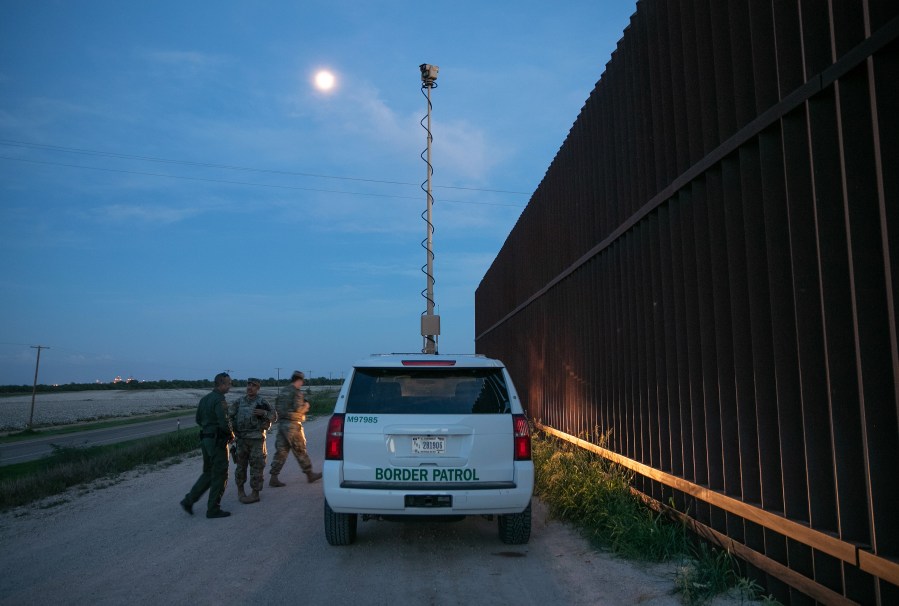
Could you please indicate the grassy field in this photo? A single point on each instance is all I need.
(77, 411)
(68, 408)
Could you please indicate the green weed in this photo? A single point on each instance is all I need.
(595, 496)
(66, 467)
(705, 575)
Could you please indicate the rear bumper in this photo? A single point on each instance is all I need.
(430, 487)
(390, 498)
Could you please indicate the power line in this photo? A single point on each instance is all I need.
(94, 152)
(249, 184)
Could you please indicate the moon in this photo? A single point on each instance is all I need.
(324, 80)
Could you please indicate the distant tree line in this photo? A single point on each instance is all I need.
(162, 384)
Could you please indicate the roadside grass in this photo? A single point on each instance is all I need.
(322, 402)
(594, 494)
(23, 483)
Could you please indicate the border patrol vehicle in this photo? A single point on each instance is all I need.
(428, 435)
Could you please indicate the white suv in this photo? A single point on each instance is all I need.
(428, 435)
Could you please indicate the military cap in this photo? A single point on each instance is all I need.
(297, 374)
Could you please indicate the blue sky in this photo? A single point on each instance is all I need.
(177, 198)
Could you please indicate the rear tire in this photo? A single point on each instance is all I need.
(515, 528)
(340, 528)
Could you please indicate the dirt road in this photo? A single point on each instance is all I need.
(130, 542)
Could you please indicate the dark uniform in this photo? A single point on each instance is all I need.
(292, 409)
(215, 434)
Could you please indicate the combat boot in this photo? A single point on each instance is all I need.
(274, 481)
(243, 498)
(313, 476)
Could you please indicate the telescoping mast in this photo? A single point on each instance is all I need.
(430, 322)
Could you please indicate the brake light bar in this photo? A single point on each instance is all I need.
(429, 362)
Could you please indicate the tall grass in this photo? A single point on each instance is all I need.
(594, 495)
(321, 402)
(23, 483)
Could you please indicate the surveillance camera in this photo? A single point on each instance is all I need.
(428, 72)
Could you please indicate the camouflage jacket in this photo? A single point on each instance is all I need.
(246, 424)
(291, 405)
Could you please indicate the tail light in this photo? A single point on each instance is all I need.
(522, 438)
(334, 438)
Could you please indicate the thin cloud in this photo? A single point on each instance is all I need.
(187, 62)
(361, 116)
(465, 152)
(144, 213)
(376, 269)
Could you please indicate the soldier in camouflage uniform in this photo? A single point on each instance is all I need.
(215, 435)
(292, 409)
(251, 416)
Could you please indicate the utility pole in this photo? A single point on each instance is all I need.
(34, 388)
(278, 384)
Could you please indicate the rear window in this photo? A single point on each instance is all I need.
(428, 391)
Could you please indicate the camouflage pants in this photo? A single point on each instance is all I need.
(290, 439)
(250, 451)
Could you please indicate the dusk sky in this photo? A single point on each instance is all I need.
(178, 198)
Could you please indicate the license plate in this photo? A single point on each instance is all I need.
(428, 444)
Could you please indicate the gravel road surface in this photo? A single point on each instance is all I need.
(128, 541)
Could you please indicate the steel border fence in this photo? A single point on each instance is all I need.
(706, 270)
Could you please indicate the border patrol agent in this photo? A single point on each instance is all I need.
(215, 435)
